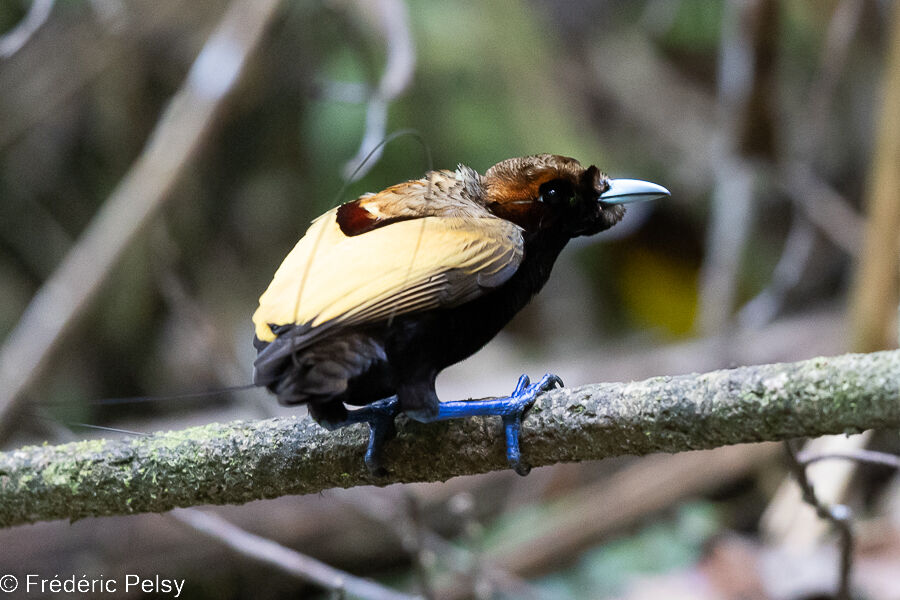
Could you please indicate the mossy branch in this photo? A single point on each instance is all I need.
(242, 461)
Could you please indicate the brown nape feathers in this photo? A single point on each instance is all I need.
(384, 292)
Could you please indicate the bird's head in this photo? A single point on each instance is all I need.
(550, 192)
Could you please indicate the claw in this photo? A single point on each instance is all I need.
(523, 398)
(549, 382)
(511, 426)
(521, 385)
(380, 418)
(372, 457)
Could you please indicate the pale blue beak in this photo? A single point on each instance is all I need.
(626, 191)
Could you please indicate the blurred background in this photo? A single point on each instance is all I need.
(163, 190)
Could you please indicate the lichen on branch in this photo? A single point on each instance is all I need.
(238, 462)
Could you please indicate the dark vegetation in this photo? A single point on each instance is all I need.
(775, 125)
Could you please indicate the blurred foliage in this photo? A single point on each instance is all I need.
(666, 545)
(696, 28)
(10, 14)
(493, 79)
(674, 309)
(481, 93)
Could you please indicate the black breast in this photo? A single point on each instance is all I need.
(420, 346)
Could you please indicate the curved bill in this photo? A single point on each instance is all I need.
(625, 191)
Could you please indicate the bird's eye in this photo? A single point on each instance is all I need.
(558, 191)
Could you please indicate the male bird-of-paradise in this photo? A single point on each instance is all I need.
(384, 292)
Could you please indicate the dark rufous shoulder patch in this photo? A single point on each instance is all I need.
(353, 219)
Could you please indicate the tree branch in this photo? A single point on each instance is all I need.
(241, 461)
(264, 550)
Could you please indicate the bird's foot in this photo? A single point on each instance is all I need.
(380, 417)
(519, 401)
(511, 410)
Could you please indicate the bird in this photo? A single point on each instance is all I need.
(385, 291)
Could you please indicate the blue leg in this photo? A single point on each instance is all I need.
(510, 410)
(380, 417)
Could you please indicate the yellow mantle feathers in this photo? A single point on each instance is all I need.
(408, 266)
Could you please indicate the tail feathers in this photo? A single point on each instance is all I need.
(297, 372)
(306, 385)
